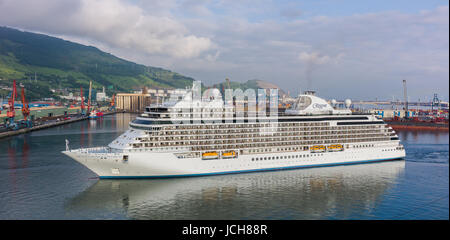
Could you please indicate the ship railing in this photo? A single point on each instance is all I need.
(97, 150)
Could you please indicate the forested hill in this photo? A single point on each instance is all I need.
(58, 63)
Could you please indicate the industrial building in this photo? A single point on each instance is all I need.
(132, 102)
(137, 101)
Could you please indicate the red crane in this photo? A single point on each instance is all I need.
(10, 114)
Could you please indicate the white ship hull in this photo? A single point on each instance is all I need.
(163, 165)
(210, 137)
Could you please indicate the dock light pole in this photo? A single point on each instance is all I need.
(89, 99)
(82, 101)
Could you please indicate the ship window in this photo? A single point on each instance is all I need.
(125, 158)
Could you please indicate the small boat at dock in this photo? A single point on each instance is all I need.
(95, 114)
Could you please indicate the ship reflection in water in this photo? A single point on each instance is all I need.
(341, 192)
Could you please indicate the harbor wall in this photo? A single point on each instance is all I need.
(44, 126)
(436, 127)
(40, 112)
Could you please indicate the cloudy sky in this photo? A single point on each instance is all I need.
(355, 49)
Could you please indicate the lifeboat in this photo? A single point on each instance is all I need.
(210, 155)
(319, 148)
(94, 114)
(230, 154)
(335, 147)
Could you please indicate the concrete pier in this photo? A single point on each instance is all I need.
(43, 126)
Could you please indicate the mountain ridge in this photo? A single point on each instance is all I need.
(60, 63)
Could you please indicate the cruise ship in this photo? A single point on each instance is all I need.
(175, 139)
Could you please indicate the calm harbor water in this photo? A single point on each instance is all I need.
(38, 182)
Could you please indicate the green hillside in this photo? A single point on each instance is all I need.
(63, 64)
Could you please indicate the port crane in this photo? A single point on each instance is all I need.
(112, 103)
(10, 113)
(26, 110)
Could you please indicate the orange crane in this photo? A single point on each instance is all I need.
(25, 110)
(113, 103)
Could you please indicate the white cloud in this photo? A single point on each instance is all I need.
(113, 22)
(211, 40)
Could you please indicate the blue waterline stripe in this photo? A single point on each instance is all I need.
(251, 170)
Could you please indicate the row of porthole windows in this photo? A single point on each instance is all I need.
(278, 149)
(396, 149)
(285, 157)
